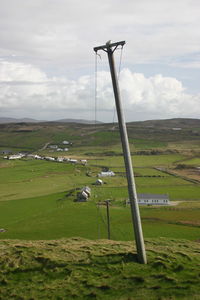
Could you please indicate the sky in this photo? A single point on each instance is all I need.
(49, 71)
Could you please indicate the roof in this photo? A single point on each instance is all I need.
(154, 196)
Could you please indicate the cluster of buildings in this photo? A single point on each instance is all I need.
(59, 149)
(49, 158)
(84, 194)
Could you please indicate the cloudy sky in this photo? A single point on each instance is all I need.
(47, 62)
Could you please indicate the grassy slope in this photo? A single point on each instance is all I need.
(83, 269)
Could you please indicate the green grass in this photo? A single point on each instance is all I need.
(193, 162)
(26, 178)
(83, 269)
(55, 216)
(140, 160)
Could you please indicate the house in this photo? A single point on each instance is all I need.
(16, 156)
(84, 194)
(50, 158)
(106, 174)
(84, 161)
(37, 156)
(66, 149)
(99, 182)
(152, 199)
(59, 149)
(6, 151)
(53, 146)
(176, 128)
(73, 161)
(60, 159)
(66, 143)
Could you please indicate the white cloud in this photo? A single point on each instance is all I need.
(27, 90)
(64, 31)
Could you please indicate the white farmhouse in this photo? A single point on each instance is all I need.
(84, 161)
(50, 158)
(73, 161)
(16, 156)
(60, 159)
(106, 174)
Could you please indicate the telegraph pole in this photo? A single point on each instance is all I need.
(136, 220)
(108, 218)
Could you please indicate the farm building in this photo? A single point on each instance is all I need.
(73, 161)
(16, 156)
(106, 174)
(50, 158)
(99, 182)
(152, 199)
(60, 159)
(84, 194)
(6, 151)
(66, 143)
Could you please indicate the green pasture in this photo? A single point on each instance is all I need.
(140, 160)
(27, 178)
(175, 192)
(193, 162)
(56, 216)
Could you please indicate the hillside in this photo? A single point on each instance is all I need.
(29, 120)
(83, 269)
(143, 135)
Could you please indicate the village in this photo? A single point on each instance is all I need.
(85, 192)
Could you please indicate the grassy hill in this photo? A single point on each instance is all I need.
(144, 135)
(84, 269)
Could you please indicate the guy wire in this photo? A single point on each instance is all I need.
(118, 76)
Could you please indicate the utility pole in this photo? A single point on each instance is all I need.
(108, 217)
(136, 220)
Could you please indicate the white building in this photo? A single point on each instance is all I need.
(73, 161)
(106, 174)
(99, 182)
(16, 156)
(53, 146)
(60, 159)
(49, 158)
(152, 199)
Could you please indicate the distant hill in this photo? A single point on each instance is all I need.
(22, 120)
(29, 120)
(170, 123)
(80, 121)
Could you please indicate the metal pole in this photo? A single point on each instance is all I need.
(127, 156)
(108, 218)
